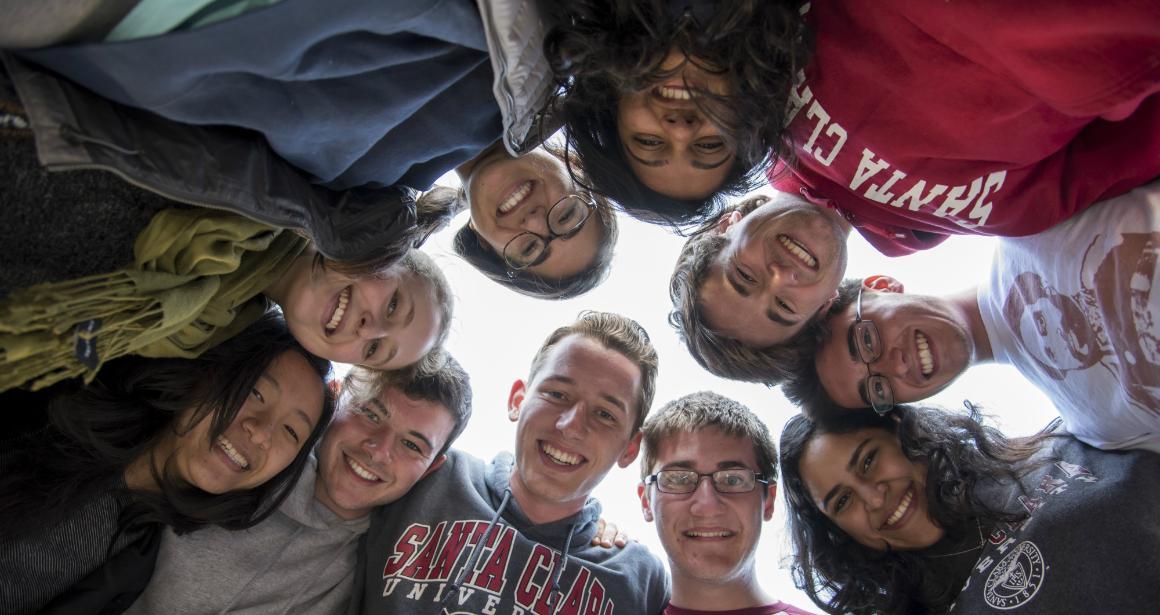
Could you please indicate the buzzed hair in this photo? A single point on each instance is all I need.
(438, 379)
(615, 332)
(702, 410)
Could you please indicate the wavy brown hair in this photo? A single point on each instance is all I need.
(959, 451)
(601, 50)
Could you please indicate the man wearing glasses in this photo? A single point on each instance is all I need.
(709, 482)
(1072, 308)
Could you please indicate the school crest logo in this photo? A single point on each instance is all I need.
(1016, 579)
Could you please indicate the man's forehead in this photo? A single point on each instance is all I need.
(707, 446)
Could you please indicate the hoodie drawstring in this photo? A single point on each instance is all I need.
(556, 598)
(475, 552)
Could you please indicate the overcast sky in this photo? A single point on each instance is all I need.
(496, 332)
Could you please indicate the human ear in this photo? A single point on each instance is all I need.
(515, 399)
(435, 465)
(631, 451)
(645, 505)
(767, 505)
(882, 284)
(727, 220)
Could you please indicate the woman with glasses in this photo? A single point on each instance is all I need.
(532, 228)
(926, 511)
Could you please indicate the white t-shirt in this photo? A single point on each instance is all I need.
(1072, 308)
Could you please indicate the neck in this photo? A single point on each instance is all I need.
(837, 217)
(139, 474)
(706, 595)
(342, 513)
(540, 510)
(966, 303)
(278, 291)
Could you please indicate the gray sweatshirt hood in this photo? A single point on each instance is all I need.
(554, 533)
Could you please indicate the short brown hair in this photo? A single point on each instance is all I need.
(439, 378)
(615, 332)
(721, 355)
(707, 409)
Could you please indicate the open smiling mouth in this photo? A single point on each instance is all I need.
(560, 457)
(798, 251)
(232, 453)
(360, 471)
(339, 311)
(708, 534)
(515, 198)
(924, 354)
(900, 512)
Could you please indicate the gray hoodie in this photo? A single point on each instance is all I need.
(299, 560)
(459, 543)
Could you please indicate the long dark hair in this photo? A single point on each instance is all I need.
(95, 432)
(841, 575)
(601, 50)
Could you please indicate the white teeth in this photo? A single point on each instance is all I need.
(339, 310)
(674, 93)
(232, 452)
(799, 251)
(509, 203)
(717, 534)
(560, 456)
(903, 506)
(925, 358)
(360, 471)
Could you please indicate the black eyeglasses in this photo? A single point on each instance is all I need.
(565, 218)
(869, 346)
(734, 480)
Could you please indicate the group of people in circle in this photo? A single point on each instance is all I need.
(206, 203)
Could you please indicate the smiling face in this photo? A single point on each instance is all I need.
(509, 196)
(375, 450)
(709, 537)
(575, 421)
(865, 484)
(925, 346)
(670, 144)
(384, 322)
(781, 265)
(269, 430)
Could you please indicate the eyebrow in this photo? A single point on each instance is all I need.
(853, 348)
(849, 465)
(697, 164)
(737, 286)
(647, 163)
(305, 417)
(381, 406)
(609, 398)
(270, 379)
(778, 318)
(423, 438)
(721, 465)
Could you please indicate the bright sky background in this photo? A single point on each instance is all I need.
(496, 332)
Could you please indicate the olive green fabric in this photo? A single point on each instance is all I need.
(196, 280)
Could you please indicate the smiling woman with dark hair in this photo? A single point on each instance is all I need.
(924, 511)
(185, 443)
(671, 106)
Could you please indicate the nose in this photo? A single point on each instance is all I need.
(259, 430)
(535, 220)
(893, 362)
(705, 499)
(377, 445)
(872, 493)
(571, 422)
(370, 327)
(681, 123)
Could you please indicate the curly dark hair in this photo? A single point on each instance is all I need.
(95, 432)
(841, 575)
(601, 50)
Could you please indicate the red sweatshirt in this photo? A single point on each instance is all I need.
(919, 120)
